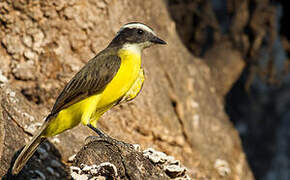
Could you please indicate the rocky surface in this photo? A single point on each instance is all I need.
(110, 159)
(180, 110)
(257, 104)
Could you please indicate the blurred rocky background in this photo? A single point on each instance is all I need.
(259, 101)
(226, 64)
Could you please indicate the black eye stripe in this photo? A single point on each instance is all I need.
(140, 31)
(132, 30)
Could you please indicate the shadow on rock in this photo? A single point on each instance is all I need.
(44, 164)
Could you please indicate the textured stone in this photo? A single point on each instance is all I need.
(13, 44)
(25, 70)
(179, 111)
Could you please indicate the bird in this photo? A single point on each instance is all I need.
(113, 76)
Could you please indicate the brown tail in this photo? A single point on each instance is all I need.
(28, 150)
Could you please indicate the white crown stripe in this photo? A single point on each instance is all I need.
(139, 26)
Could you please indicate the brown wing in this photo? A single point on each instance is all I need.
(92, 78)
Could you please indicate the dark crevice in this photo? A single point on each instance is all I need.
(32, 97)
(174, 105)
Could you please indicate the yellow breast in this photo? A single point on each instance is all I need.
(91, 108)
(124, 79)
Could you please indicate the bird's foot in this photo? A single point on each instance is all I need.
(102, 136)
(98, 131)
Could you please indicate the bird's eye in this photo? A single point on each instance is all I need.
(140, 31)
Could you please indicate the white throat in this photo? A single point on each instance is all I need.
(134, 48)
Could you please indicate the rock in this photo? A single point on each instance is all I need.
(3, 79)
(113, 159)
(13, 118)
(25, 70)
(180, 110)
(13, 44)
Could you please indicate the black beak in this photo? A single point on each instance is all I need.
(157, 40)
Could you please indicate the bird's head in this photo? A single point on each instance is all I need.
(136, 36)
